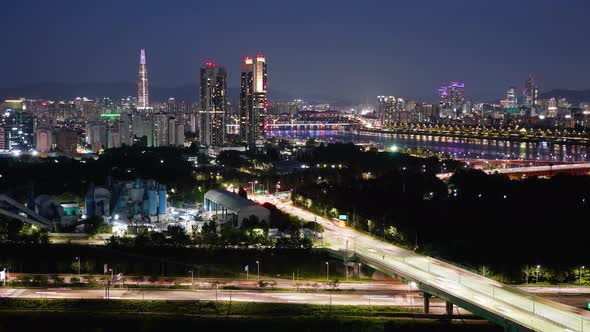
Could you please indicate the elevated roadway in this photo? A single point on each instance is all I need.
(15, 210)
(510, 307)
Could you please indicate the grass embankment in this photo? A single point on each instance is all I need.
(100, 315)
(196, 308)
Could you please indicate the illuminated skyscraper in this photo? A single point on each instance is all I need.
(213, 101)
(511, 101)
(253, 100)
(451, 100)
(19, 130)
(143, 94)
(531, 93)
(386, 108)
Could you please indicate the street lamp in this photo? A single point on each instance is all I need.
(192, 278)
(581, 272)
(258, 269)
(327, 271)
(78, 258)
(538, 267)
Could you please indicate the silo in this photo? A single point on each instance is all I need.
(152, 202)
(162, 200)
(90, 201)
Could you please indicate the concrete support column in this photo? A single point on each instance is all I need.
(449, 308)
(427, 302)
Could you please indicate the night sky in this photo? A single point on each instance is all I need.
(357, 49)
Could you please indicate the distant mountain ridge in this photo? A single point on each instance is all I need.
(574, 96)
(187, 92)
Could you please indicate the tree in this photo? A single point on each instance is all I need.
(157, 239)
(142, 240)
(314, 226)
(178, 236)
(209, 235)
(253, 222)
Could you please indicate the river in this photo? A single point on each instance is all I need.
(454, 146)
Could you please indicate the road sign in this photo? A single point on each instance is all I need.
(343, 217)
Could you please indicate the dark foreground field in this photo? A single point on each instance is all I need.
(98, 315)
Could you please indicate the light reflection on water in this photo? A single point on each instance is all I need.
(455, 146)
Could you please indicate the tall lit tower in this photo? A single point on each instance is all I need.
(213, 101)
(253, 99)
(143, 94)
(531, 92)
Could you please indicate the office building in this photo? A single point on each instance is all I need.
(19, 130)
(511, 101)
(531, 93)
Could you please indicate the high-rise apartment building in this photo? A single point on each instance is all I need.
(213, 101)
(3, 145)
(143, 94)
(66, 140)
(253, 99)
(96, 136)
(45, 140)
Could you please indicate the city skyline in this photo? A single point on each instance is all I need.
(369, 56)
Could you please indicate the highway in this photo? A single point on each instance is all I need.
(386, 294)
(396, 298)
(491, 299)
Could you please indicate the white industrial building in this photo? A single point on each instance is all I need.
(230, 207)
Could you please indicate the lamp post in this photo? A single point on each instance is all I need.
(78, 258)
(346, 262)
(258, 269)
(538, 268)
(192, 278)
(358, 272)
(581, 272)
(327, 271)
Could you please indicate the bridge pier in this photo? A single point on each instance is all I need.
(427, 302)
(449, 307)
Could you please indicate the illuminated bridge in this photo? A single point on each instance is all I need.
(545, 171)
(507, 306)
(298, 125)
